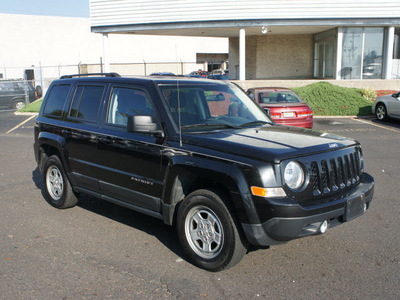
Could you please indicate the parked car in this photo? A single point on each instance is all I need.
(204, 73)
(194, 74)
(387, 106)
(218, 77)
(218, 72)
(162, 74)
(283, 105)
(200, 155)
(16, 93)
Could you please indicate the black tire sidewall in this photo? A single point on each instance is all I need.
(213, 202)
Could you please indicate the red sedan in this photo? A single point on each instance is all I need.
(283, 105)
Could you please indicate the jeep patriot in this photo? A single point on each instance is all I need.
(200, 155)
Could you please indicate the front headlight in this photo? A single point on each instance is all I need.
(294, 175)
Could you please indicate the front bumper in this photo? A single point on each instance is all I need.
(308, 221)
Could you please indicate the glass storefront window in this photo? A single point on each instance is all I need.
(373, 45)
(352, 53)
(362, 53)
(324, 54)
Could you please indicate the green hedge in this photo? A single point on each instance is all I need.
(326, 99)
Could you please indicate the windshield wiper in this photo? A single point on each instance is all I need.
(210, 125)
(252, 123)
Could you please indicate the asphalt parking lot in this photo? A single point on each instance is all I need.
(98, 250)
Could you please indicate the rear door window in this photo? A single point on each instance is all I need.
(86, 102)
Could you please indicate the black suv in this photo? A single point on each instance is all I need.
(198, 154)
(16, 93)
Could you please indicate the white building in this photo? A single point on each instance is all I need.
(48, 47)
(268, 39)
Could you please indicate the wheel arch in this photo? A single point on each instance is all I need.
(51, 144)
(226, 178)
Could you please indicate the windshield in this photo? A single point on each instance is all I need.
(276, 97)
(209, 106)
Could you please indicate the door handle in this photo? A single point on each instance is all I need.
(106, 140)
(66, 133)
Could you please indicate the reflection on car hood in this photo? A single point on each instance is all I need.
(271, 143)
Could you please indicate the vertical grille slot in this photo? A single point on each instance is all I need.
(333, 175)
(357, 165)
(352, 169)
(315, 179)
(324, 177)
(341, 175)
(347, 171)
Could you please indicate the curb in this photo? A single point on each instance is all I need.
(25, 113)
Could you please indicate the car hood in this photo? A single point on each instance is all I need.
(272, 143)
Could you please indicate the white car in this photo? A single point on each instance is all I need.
(387, 106)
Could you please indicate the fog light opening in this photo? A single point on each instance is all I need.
(324, 227)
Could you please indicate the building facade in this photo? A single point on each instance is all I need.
(288, 39)
(42, 48)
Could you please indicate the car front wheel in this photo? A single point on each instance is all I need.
(57, 188)
(19, 104)
(208, 232)
(380, 112)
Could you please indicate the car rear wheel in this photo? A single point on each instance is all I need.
(57, 188)
(381, 112)
(208, 232)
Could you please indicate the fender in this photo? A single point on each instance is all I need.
(56, 141)
(228, 174)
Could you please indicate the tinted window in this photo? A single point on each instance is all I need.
(128, 102)
(56, 99)
(86, 102)
(277, 97)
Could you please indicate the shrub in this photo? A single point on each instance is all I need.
(368, 94)
(326, 99)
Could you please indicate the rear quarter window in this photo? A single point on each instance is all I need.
(56, 99)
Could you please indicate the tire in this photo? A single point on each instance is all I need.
(39, 92)
(19, 104)
(208, 233)
(381, 112)
(57, 188)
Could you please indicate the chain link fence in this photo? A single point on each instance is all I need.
(41, 76)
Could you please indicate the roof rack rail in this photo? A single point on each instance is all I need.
(113, 74)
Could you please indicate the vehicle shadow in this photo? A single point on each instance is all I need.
(393, 123)
(152, 226)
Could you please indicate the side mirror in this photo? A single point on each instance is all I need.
(143, 124)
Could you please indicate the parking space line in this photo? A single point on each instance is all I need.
(376, 125)
(20, 124)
